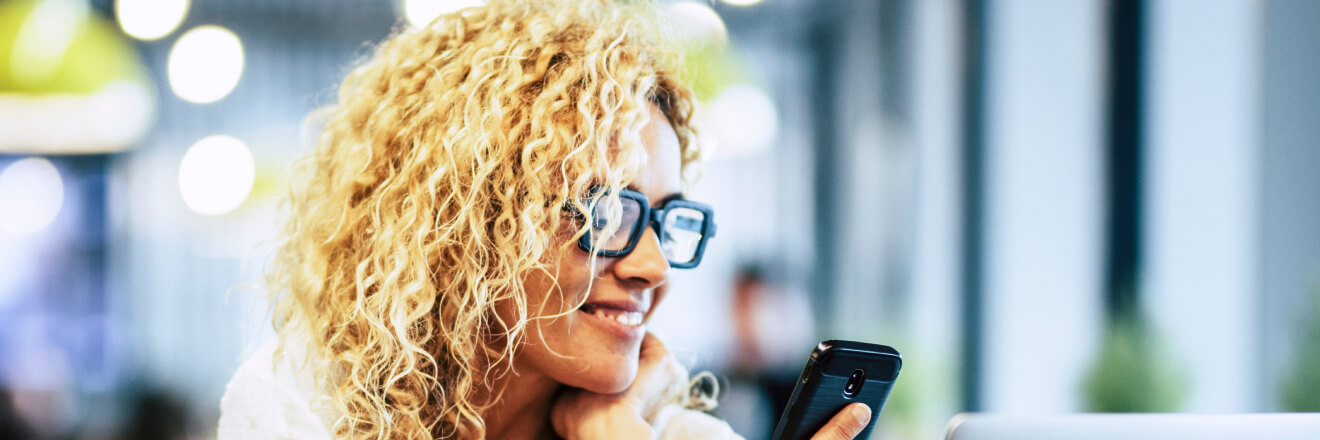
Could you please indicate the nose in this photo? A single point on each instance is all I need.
(645, 267)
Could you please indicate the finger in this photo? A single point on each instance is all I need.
(658, 361)
(660, 377)
(652, 347)
(846, 424)
(654, 355)
(561, 411)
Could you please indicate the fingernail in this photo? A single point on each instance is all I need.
(863, 414)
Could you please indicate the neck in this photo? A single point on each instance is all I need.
(523, 411)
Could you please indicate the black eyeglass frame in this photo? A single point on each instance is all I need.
(652, 217)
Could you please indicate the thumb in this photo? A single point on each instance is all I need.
(846, 424)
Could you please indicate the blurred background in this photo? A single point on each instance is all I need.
(1047, 206)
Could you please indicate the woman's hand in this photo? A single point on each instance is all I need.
(846, 424)
(581, 414)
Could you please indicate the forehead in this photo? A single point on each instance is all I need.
(661, 174)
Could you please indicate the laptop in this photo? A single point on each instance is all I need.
(1280, 426)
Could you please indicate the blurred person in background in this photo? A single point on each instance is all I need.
(156, 413)
(12, 424)
(476, 243)
(41, 399)
(771, 322)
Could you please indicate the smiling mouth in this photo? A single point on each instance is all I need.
(624, 317)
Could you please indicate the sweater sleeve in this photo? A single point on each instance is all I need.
(674, 422)
(258, 404)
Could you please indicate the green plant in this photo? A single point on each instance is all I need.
(711, 68)
(1131, 373)
(1301, 386)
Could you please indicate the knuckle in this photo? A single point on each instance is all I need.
(841, 431)
(674, 366)
(675, 372)
(658, 350)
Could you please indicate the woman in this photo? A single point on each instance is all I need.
(478, 239)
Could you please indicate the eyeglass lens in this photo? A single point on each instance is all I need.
(613, 223)
(681, 233)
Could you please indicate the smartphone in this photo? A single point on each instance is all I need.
(837, 374)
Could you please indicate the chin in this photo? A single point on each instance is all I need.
(609, 377)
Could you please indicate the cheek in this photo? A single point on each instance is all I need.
(558, 288)
(580, 359)
(562, 348)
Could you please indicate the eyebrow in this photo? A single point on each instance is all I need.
(668, 198)
(663, 201)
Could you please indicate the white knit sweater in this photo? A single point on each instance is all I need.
(268, 401)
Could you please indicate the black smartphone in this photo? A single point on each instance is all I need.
(837, 374)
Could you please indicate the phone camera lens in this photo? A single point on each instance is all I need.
(855, 381)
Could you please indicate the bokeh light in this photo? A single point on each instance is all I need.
(742, 2)
(421, 12)
(697, 22)
(743, 120)
(120, 114)
(216, 175)
(31, 194)
(150, 19)
(205, 64)
(44, 38)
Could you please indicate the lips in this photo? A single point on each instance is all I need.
(624, 317)
(621, 318)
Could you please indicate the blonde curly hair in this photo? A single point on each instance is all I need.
(435, 187)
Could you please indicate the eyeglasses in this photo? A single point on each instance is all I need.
(683, 226)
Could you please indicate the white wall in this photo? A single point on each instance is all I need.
(1044, 212)
(1201, 206)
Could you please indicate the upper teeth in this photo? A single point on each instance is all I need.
(625, 318)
